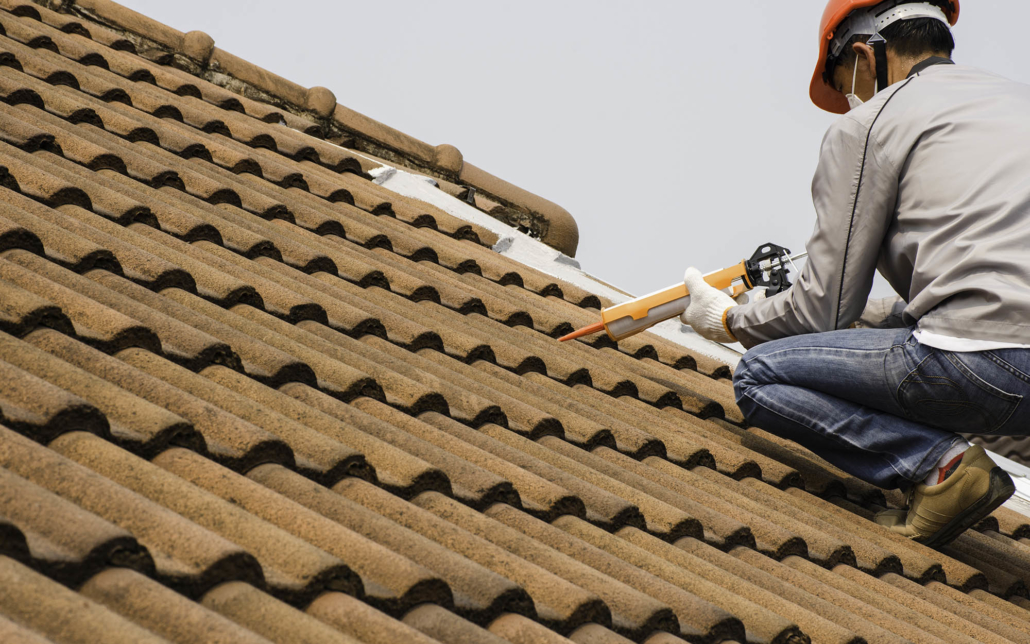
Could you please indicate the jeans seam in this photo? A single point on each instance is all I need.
(996, 359)
(893, 394)
(980, 383)
(906, 379)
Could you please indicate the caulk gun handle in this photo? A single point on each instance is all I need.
(629, 318)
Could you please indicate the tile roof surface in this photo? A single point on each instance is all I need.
(251, 396)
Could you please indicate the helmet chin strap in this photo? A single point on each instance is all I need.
(879, 45)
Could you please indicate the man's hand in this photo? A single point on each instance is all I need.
(708, 307)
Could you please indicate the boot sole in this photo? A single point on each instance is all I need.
(1001, 488)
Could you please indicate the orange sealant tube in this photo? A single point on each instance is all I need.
(629, 318)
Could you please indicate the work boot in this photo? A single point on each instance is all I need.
(937, 514)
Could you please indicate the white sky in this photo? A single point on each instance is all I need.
(676, 133)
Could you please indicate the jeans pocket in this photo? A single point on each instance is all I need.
(958, 394)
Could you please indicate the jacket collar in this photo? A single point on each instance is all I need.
(930, 62)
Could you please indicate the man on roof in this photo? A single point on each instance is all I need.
(925, 178)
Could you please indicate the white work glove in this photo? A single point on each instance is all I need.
(707, 310)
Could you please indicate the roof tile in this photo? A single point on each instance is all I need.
(362, 622)
(444, 626)
(259, 360)
(698, 619)
(94, 323)
(294, 569)
(44, 606)
(133, 420)
(67, 543)
(317, 456)
(394, 469)
(561, 601)
(269, 617)
(635, 614)
(41, 410)
(479, 594)
(390, 581)
(189, 558)
(229, 439)
(161, 610)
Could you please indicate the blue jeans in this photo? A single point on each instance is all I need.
(876, 403)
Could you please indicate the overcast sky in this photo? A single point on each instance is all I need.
(676, 133)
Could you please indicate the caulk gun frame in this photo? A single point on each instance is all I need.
(766, 268)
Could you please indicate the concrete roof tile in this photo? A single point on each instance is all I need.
(133, 420)
(362, 622)
(261, 361)
(180, 342)
(14, 235)
(161, 610)
(65, 542)
(393, 469)
(561, 602)
(444, 626)
(601, 507)
(40, 410)
(62, 615)
(390, 581)
(519, 630)
(317, 456)
(229, 439)
(81, 247)
(947, 611)
(522, 417)
(870, 614)
(472, 484)
(868, 593)
(1005, 611)
(268, 617)
(93, 322)
(462, 404)
(15, 634)
(479, 594)
(830, 623)
(29, 232)
(698, 619)
(188, 558)
(540, 497)
(22, 311)
(634, 613)
(761, 624)
(294, 569)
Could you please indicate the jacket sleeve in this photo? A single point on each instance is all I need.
(854, 193)
(883, 313)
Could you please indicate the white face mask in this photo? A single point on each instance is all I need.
(853, 100)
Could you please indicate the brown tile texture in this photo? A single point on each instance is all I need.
(251, 396)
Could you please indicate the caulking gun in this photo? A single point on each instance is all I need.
(768, 267)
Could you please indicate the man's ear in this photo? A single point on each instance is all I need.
(866, 53)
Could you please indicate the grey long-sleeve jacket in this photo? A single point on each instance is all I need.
(929, 182)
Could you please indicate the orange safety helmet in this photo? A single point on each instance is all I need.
(823, 93)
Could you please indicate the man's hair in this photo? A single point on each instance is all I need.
(909, 38)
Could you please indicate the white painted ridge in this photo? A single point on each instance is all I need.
(534, 253)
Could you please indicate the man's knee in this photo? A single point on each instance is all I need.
(746, 378)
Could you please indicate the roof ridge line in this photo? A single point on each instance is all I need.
(196, 53)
